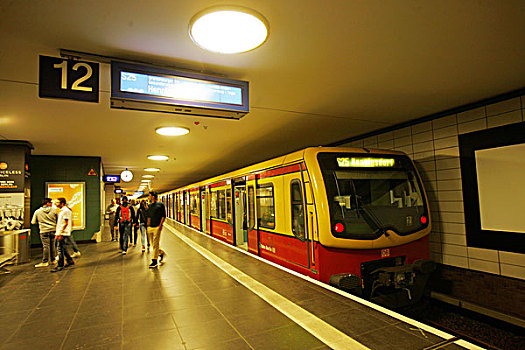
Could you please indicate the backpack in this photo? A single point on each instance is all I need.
(124, 214)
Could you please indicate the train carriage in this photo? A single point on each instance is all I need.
(355, 218)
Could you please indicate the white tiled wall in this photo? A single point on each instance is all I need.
(433, 146)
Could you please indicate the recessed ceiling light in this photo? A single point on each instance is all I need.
(151, 169)
(229, 29)
(148, 176)
(172, 131)
(158, 157)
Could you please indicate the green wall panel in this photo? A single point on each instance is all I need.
(68, 169)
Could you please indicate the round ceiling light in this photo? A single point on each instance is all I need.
(148, 176)
(229, 29)
(158, 157)
(172, 131)
(151, 169)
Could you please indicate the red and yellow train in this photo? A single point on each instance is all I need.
(352, 217)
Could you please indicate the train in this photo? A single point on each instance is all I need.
(355, 218)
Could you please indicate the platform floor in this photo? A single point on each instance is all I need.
(110, 301)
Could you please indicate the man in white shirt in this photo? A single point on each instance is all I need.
(64, 225)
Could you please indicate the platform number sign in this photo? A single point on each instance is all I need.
(66, 78)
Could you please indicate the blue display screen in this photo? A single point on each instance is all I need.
(112, 178)
(180, 88)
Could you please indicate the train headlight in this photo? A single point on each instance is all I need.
(423, 219)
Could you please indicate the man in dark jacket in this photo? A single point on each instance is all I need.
(124, 219)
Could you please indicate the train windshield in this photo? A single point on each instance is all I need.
(370, 194)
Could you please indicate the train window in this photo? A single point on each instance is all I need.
(213, 204)
(229, 205)
(297, 209)
(251, 207)
(265, 206)
(221, 205)
(194, 208)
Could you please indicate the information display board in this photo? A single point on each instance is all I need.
(74, 193)
(155, 89)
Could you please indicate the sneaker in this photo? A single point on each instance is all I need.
(69, 264)
(153, 265)
(75, 255)
(58, 268)
(143, 249)
(44, 264)
(161, 256)
(124, 253)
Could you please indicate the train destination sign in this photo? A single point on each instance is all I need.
(365, 162)
(154, 89)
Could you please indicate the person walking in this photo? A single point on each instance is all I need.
(46, 216)
(142, 220)
(124, 218)
(63, 229)
(110, 211)
(134, 236)
(156, 217)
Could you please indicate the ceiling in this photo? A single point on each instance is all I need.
(330, 70)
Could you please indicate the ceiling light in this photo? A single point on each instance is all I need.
(229, 29)
(158, 157)
(172, 131)
(148, 176)
(145, 181)
(151, 169)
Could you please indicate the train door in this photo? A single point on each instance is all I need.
(241, 232)
(312, 235)
(204, 212)
(251, 217)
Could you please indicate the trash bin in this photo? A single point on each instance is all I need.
(23, 246)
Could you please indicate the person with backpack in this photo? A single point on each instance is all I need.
(142, 220)
(124, 219)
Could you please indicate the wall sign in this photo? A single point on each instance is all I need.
(112, 178)
(69, 79)
(11, 170)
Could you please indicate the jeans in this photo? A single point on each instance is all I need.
(125, 230)
(143, 234)
(48, 246)
(62, 252)
(133, 238)
(71, 240)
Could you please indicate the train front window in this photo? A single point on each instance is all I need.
(370, 194)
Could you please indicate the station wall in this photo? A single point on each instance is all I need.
(433, 145)
(67, 169)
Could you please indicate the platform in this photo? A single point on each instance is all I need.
(207, 295)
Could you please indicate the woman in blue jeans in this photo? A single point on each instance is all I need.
(142, 219)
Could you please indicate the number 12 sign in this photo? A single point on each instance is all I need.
(70, 79)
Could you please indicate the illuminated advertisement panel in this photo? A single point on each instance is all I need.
(74, 193)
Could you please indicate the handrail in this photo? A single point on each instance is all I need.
(15, 232)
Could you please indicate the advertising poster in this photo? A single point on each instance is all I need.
(74, 194)
(11, 211)
(11, 170)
